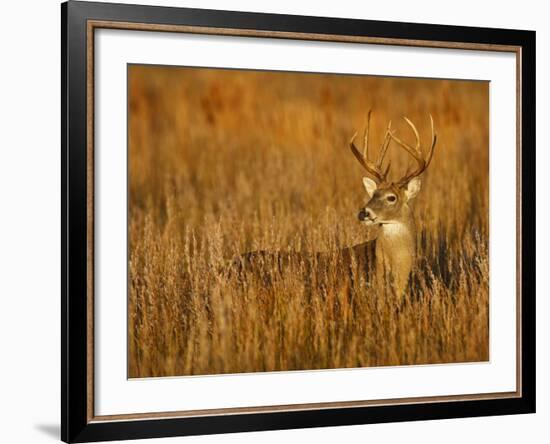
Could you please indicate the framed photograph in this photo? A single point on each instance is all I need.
(276, 221)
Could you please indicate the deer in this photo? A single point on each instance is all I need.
(391, 254)
(388, 208)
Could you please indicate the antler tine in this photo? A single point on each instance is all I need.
(371, 169)
(415, 131)
(374, 170)
(385, 145)
(416, 152)
(360, 158)
(366, 136)
(387, 170)
(434, 140)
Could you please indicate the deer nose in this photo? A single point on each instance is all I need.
(365, 214)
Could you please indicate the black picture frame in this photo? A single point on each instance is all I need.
(76, 424)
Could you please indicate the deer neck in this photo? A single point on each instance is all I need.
(396, 250)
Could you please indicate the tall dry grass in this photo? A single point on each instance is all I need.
(225, 162)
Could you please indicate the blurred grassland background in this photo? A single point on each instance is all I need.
(222, 162)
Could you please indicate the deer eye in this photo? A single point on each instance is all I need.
(391, 198)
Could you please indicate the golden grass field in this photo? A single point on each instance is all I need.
(223, 162)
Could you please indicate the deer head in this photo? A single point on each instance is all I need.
(388, 200)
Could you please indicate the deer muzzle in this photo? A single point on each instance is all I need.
(367, 216)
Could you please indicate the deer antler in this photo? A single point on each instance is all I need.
(416, 152)
(374, 169)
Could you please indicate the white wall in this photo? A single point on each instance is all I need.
(30, 208)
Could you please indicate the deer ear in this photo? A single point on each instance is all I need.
(412, 188)
(370, 185)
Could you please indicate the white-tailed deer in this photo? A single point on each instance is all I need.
(391, 255)
(388, 206)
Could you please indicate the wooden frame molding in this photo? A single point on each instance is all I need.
(92, 25)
